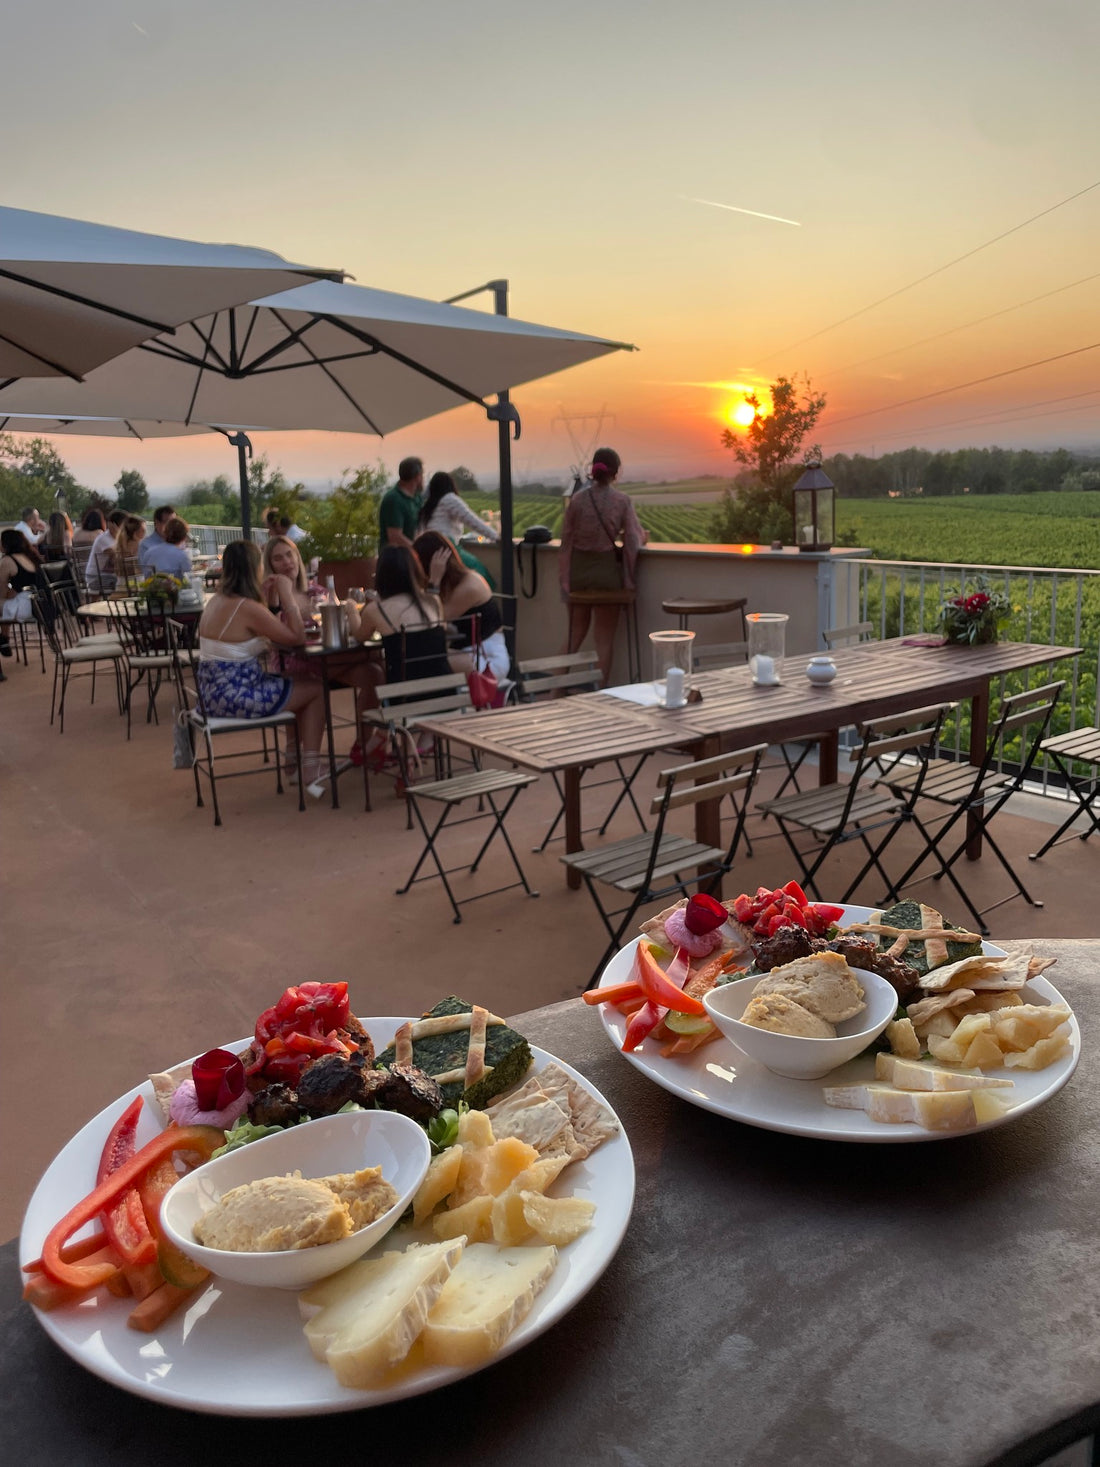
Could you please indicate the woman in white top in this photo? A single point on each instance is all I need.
(448, 514)
(234, 634)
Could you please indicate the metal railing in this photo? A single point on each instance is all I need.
(212, 539)
(1050, 607)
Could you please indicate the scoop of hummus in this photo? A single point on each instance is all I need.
(785, 1016)
(273, 1215)
(822, 983)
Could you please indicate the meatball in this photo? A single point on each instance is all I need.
(857, 952)
(330, 1082)
(784, 946)
(274, 1105)
(412, 1092)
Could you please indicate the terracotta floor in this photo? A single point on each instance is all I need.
(134, 933)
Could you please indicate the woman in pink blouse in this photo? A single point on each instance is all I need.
(598, 521)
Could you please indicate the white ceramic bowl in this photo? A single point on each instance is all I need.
(790, 1054)
(321, 1148)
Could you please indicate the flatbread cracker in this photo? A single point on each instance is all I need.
(979, 972)
(593, 1123)
(541, 1120)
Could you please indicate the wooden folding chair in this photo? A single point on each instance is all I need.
(1080, 746)
(559, 676)
(835, 814)
(649, 867)
(859, 631)
(976, 794)
(401, 705)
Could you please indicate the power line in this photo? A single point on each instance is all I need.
(961, 386)
(966, 326)
(1005, 415)
(939, 270)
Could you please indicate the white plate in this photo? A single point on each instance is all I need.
(719, 1077)
(241, 1352)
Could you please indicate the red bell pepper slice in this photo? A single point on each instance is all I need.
(124, 1222)
(659, 987)
(202, 1139)
(642, 1024)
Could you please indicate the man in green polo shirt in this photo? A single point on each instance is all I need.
(400, 508)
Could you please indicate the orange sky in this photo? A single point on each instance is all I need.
(427, 147)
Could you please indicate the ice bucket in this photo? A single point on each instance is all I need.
(334, 626)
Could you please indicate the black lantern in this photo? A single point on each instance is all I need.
(814, 509)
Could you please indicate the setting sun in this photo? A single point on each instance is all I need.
(742, 414)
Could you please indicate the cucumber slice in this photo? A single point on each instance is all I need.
(686, 1023)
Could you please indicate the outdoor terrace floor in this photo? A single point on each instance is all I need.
(133, 933)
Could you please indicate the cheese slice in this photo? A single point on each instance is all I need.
(934, 1110)
(372, 1313)
(905, 1074)
(490, 1291)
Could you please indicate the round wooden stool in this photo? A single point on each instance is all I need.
(684, 607)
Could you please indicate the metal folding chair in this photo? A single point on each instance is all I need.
(199, 723)
(558, 676)
(836, 814)
(402, 704)
(649, 867)
(976, 795)
(1081, 746)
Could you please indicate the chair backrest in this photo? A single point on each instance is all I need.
(46, 617)
(1032, 709)
(128, 572)
(885, 742)
(718, 655)
(181, 646)
(574, 672)
(413, 653)
(79, 556)
(859, 631)
(426, 697)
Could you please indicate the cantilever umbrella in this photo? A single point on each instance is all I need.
(73, 294)
(328, 356)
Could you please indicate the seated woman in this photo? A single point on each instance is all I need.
(234, 635)
(467, 601)
(407, 617)
(59, 536)
(285, 584)
(19, 572)
(127, 545)
(448, 514)
(91, 527)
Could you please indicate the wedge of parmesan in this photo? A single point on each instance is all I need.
(372, 1313)
(490, 1291)
(906, 1074)
(934, 1110)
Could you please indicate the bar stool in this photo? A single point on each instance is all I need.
(627, 599)
(685, 607)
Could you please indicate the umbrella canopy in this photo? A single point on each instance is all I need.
(73, 294)
(326, 355)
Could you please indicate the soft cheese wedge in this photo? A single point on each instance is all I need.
(905, 1074)
(489, 1292)
(935, 1110)
(370, 1314)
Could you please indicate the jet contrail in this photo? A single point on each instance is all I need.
(713, 203)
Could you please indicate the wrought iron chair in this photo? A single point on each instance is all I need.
(964, 792)
(835, 814)
(201, 724)
(71, 652)
(558, 676)
(649, 867)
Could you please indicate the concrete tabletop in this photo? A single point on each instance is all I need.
(776, 1301)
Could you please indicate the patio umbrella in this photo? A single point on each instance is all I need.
(73, 294)
(326, 355)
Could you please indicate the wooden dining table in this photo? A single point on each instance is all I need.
(569, 735)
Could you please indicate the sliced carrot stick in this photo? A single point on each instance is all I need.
(72, 1252)
(144, 1278)
(119, 1287)
(156, 1307)
(630, 1006)
(41, 1291)
(614, 994)
(688, 1043)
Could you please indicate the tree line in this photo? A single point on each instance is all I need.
(920, 471)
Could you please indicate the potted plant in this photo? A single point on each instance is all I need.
(161, 591)
(974, 617)
(342, 529)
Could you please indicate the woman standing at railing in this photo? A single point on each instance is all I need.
(596, 571)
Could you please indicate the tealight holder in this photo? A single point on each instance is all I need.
(767, 646)
(671, 653)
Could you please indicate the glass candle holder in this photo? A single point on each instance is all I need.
(767, 646)
(671, 653)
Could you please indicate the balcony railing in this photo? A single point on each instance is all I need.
(1049, 606)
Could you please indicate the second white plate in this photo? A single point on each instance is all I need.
(720, 1078)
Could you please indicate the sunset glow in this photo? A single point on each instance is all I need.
(742, 414)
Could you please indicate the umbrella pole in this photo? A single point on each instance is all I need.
(243, 444)
(504, 447)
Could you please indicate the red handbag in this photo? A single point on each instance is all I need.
(485, 691)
